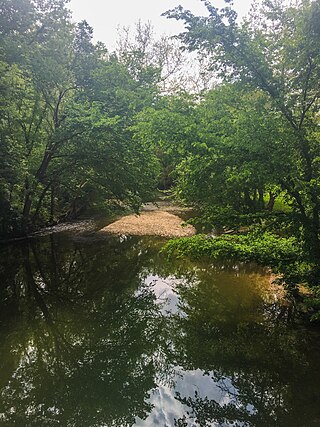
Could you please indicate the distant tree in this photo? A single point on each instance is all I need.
(170, 128)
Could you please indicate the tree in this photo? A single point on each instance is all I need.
(66, 111)
(214, 149)
(276, 51)
(16, 17)
(239, 152)
(149, 59)
(169, 128)
(162, 60)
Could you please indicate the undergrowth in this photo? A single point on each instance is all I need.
(265, 248)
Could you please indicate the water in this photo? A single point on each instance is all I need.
(106, 332)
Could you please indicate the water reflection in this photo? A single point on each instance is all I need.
(78, 346)
(267, 372)
(108, 333)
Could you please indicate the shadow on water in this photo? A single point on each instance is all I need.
(108, 333)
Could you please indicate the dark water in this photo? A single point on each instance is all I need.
(108, 333)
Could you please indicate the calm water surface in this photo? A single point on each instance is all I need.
(106, 332)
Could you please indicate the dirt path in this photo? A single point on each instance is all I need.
(161, 219)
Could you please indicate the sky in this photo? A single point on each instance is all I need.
(105, 16)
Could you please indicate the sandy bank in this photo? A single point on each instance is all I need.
(151, 223)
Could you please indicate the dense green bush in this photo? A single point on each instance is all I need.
(264, 248)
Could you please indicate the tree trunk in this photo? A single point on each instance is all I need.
(272, 199)
(26, 210)
(261, 199)
(52, 205)
(247, 199)
(315, 241)
(44, 192)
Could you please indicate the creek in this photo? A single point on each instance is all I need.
(104, 331)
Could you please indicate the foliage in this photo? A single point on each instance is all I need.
(265, 248)
(170, 128)
(276, 51)
(65, 115)
(236, 133)
(214, 149)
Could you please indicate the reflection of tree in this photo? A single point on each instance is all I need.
(83, 353)
(260, 366)
(83, 341)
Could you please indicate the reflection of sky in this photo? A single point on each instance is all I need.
(167, 408)
(164, 290)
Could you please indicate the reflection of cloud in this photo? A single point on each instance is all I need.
(167, 408)
(164, 290)
(195, 380)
